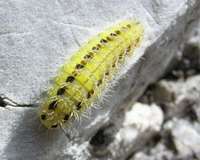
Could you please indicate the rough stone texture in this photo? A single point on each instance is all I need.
(178, 95)
(186, 137)
(36, 37)
(179, 136)
(141, 123)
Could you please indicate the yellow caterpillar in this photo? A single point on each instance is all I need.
(81, 80)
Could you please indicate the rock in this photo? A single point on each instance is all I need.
(179, 136)
(141, 123)
(186, 137)
(179, 140)
(178, 98)
(158, 152)
(35, 39)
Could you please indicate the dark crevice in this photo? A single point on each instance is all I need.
(188, 65)
(155, 139)
(5, 101)
(101, 140)
(103, 137)
(152, 142)
(130, 156)
(169, 141)
(2, 102)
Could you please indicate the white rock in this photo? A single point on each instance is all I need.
(186, 137)
(158, 152)
(144, 116)
(140, 123)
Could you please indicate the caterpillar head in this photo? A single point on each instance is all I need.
(54, 113)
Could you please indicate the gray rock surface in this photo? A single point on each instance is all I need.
(141, 123)
(35, 39)
(186, 137)
(179, 133)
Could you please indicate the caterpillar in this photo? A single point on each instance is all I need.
(81, 80)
